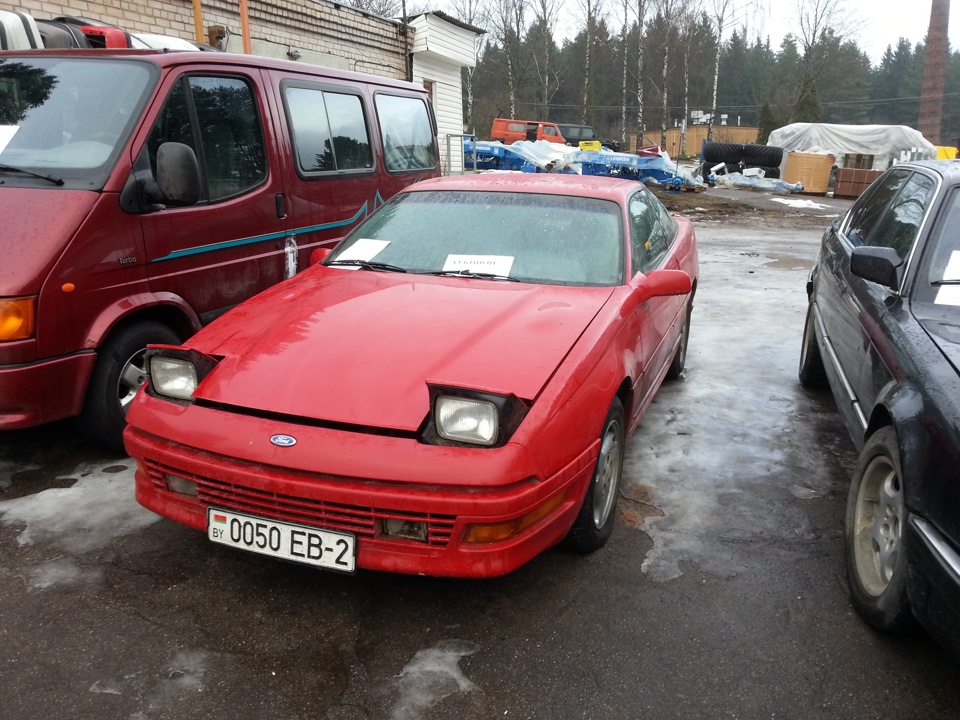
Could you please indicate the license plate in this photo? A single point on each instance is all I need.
(299, 543)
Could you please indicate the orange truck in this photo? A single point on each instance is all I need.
(510, 131)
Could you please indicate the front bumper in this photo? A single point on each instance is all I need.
(354, 482)
(44, 391)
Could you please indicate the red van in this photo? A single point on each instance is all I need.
(510, 131)
(145, 193)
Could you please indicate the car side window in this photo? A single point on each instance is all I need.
(406, 133)
(649, 238)
(900, 227)
(865, 215)
(228, 140)
(329, 130)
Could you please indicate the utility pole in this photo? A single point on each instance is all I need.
(934, 71)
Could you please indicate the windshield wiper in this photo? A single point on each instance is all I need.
(474, 274)
(48, 178)
(369, 265)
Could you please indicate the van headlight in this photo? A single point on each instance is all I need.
(471, 418)
(174, 374)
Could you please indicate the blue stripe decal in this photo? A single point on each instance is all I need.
(361, 213)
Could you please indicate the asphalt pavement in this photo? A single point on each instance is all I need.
(721, 594)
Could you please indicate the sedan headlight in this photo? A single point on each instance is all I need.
(173, 377)
(176, 372)
(466, 420)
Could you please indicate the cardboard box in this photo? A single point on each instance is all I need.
(811, 169)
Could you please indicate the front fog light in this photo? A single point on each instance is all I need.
(407, 529)
(180, 485)
(173, 377)
(466, 420)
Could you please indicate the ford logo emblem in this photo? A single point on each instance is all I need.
(283, 440)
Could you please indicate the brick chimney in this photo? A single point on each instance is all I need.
(934, 70)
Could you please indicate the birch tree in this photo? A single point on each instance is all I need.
(472, 12)
(816, 19)
(668, 9)
(591, 10)
(689, 13)
(641, 8)
(507, 19)
(545, 15)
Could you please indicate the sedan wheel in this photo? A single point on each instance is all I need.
(593, 525)
(812, 375)
(876, 558)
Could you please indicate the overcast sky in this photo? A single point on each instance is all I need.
(877, 23)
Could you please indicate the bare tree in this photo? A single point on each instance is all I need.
(592, 11)
(472, 12)
(545, 14)
(723, 14)
(688, 15)
(668, 9)
(508, 23)
(815, 20)
(641, 7)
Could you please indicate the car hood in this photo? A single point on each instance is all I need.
(37, 224)
(942, 323)
(359, 347)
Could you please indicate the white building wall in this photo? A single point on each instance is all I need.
(447, 104)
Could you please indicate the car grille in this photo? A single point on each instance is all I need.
(363, 521)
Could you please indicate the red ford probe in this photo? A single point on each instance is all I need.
(448, 392)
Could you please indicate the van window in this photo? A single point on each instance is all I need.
(517, 127)
(550, 130)
(329, 130)
(68, 117)
(230, 147)
(406, 132)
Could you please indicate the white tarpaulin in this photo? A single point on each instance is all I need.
(887, 143)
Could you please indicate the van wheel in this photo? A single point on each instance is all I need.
(117, 375)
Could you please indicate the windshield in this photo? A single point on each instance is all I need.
(526, 237)
(67, 117)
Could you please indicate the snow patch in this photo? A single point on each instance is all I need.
(62, 571)
(804, 204)
(431, 676)
(99, 508)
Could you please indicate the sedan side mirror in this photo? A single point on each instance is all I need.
(659, 283)
(178, 174)
(877, 264)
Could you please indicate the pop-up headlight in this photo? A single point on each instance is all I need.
(175, 373)
(466, 420)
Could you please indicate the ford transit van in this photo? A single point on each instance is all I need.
(145, 193)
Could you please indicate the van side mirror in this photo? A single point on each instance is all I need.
(319, 255)
(178, 174)
(877, 264)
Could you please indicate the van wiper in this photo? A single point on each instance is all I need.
(48, 178)
(474, 274)
(369, 265)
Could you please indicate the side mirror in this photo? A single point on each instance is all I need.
(178, 174)
(877, 264)
(319, 255)
(659, 283)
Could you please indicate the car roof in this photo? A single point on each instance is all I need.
(172, 57)
(538, 183)
(949, 170)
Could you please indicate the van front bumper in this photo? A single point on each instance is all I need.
(40, 392)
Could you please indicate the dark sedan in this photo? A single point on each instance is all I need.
(883, 331)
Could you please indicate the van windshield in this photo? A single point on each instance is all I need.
(67, 118)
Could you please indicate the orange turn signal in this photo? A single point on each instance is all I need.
(478, 534)
(17, 318)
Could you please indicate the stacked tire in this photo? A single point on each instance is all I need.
(737, 156)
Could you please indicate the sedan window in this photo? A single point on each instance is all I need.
(865, 214)
(901, 225)
(550, 239)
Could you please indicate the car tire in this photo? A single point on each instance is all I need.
(812, 374)
(875, 521)
(680, 358)
(117, 375)
(597, 515)
(714, 153)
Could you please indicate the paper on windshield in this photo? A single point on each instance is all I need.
(493, 264)
(6, 134)
(363, 249)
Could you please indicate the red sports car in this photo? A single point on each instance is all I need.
(448, 392)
